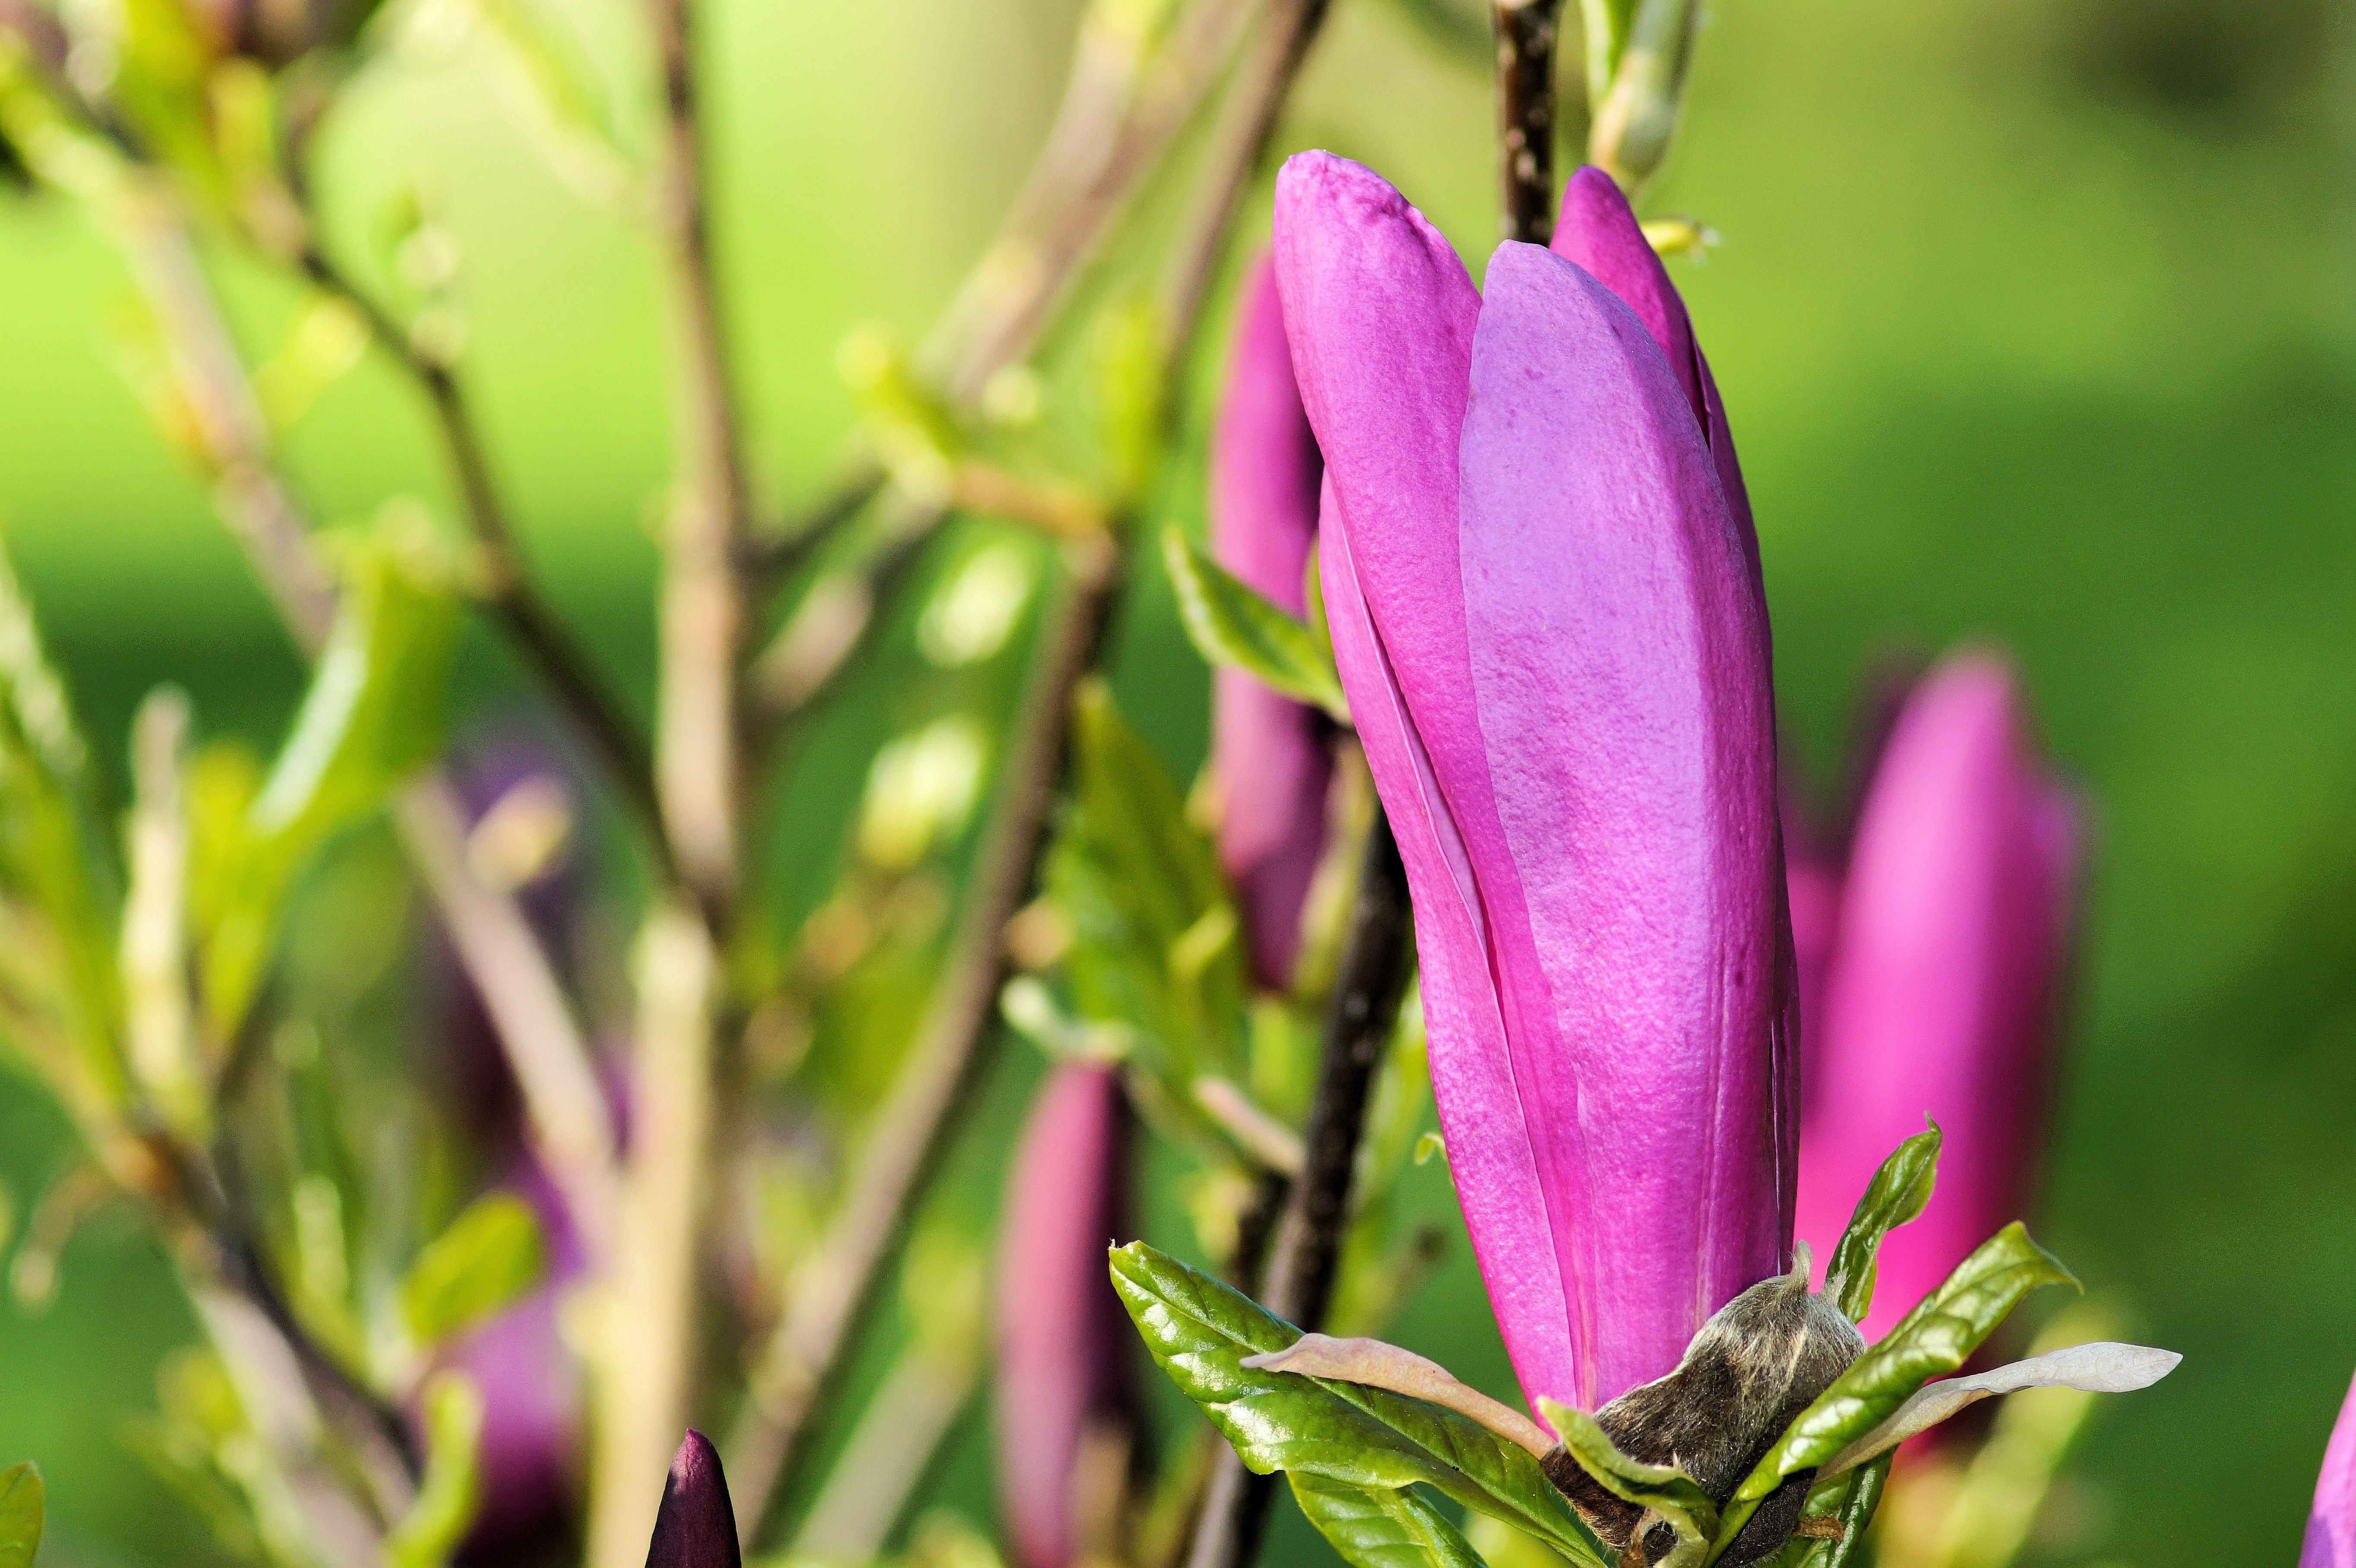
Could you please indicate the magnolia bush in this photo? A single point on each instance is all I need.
(1494, 869)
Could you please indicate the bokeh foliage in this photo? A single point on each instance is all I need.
(2035, 320)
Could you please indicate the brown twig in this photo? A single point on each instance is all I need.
(556, 658)
(1526, 34)
(1083, 179)
(571, 1132)
(1239, 145)
(1117, 117)
(698, 756)
(796, 1368)
(646, 1360)
(773, 556)
(1307, 1256)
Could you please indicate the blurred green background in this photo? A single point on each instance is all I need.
(2037, 321)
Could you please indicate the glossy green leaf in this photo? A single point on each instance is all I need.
(1381, 1527)
(1153, 948)
(1667, 1490)
(1938, 1336)
(452, 1489)
(490, 1254)
(21, 1496)
(1231, 625)
(1199, 1330)
(1895, 1195)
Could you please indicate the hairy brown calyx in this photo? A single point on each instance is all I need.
(1760, 1361)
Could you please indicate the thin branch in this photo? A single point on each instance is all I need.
(796, 1367)
(1119, 116)
(1527, 31)
(699, 758)
(1307, 1256)
(1239, 145)
(646, 1360)
(771, 557)
(898, 1439)
(572, 1133)
(572, 1128)
(555, 656)
(1084, 178)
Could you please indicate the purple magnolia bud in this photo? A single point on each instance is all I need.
(695, 1528)
(2331, 1528)
(531, 1384)
(1270, 755)
(1954, 920)
(1547, 611)
(533, 1407)
(1062, 1335)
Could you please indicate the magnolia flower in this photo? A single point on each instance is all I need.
(696, 1526)
(1063, 1391)
(2331, 1528)
(1270, 758)
(1940, 976)
(1548, 614)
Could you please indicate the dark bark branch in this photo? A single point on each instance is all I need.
(1526, 34)
(1301, 1272)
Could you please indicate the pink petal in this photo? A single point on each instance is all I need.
(1598, 232)
(1622, 829)
(2331, 1528)
(1954, 924)
(1381, 316)
(1270, 755)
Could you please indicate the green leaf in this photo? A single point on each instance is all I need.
(1199, 1330)
(373, 712)
(1938, 1336)
(1382, 1527)
(51, 859)
(21, 1496)
(1153, 926)
(372, 716)
(1895, 1195)
(452, 1489)
(1128, 353)
(1231, 625)
(1664, 1488)
(490, 1254)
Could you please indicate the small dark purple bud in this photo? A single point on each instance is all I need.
(697, 1528)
